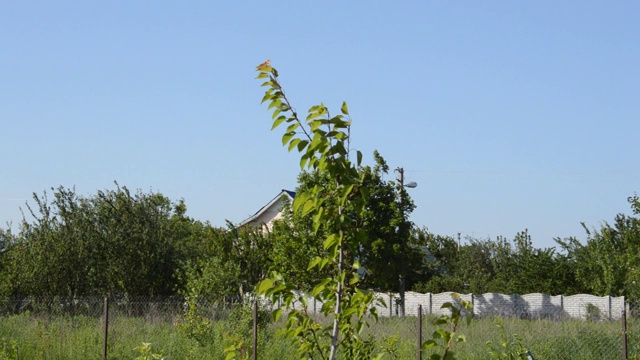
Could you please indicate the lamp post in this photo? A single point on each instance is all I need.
(411, 184)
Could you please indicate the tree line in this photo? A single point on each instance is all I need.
(119, 242)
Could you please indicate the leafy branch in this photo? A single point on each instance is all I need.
(323, 142)
(445, 338)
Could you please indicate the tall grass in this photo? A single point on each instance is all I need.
(80, 337)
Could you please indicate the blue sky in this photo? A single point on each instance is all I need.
(509, 115)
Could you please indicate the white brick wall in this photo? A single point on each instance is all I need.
(530, 306)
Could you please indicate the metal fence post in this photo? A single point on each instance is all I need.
(106, 328)
(624, 334)
(419, 332)
(255, 330)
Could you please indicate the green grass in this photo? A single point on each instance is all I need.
(81, 337)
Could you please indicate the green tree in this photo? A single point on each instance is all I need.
(294, 243)
(608, 264)
(112, 243)
(382, 254)
(500, 265)
(387, 253)
(323, 141)
(467, 268)
(440, 269)
(521, 269)
(235, 260)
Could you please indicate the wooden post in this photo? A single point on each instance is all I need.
(255, 330)
(624, 334)
(419, 332)
(106, 328)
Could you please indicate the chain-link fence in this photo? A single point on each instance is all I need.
(63, 328)
(117, 327)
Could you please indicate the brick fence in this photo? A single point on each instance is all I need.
(530, 306)
(534, 306)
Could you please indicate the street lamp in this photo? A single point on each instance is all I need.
(412, 185)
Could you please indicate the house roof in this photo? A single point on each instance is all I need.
(288, 193)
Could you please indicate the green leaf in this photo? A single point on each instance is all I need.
(344, 108)
(345, 193)
(275, 114)
(265, 285)
(317, 219)
(429, 344)
(293, 143)
(323, 263)
(309, 206)
(274, 83)
(293, 127)
(329, 241)
(267, 96)
(286, 137)
(284, 107)
(441, 321)
(302, 144)
(314, 262)
(314, 125)
(278, 121)
(300, 200)
(303, 160)
(318, 289)
(276, 315)
(274, 103)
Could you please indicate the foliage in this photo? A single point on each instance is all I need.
(146, 352)
(75, 338)
(444, 338)
(239, 331)
(235, 260)
(500, 265)
(508, 348)
(383, 255)
(388, 252)
(236, 349)
(608, 263)
(593, 312)
(115, 242)
(294, 243)
(240, 321)
(196, 326)
(8, 349)
(520, 268)
(6, 238)
(323, 141)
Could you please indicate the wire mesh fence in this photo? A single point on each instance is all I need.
(64, 328)
(633, 330)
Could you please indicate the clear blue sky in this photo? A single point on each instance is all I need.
(509, 115)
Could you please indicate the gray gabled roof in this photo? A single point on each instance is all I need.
(288, 193)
